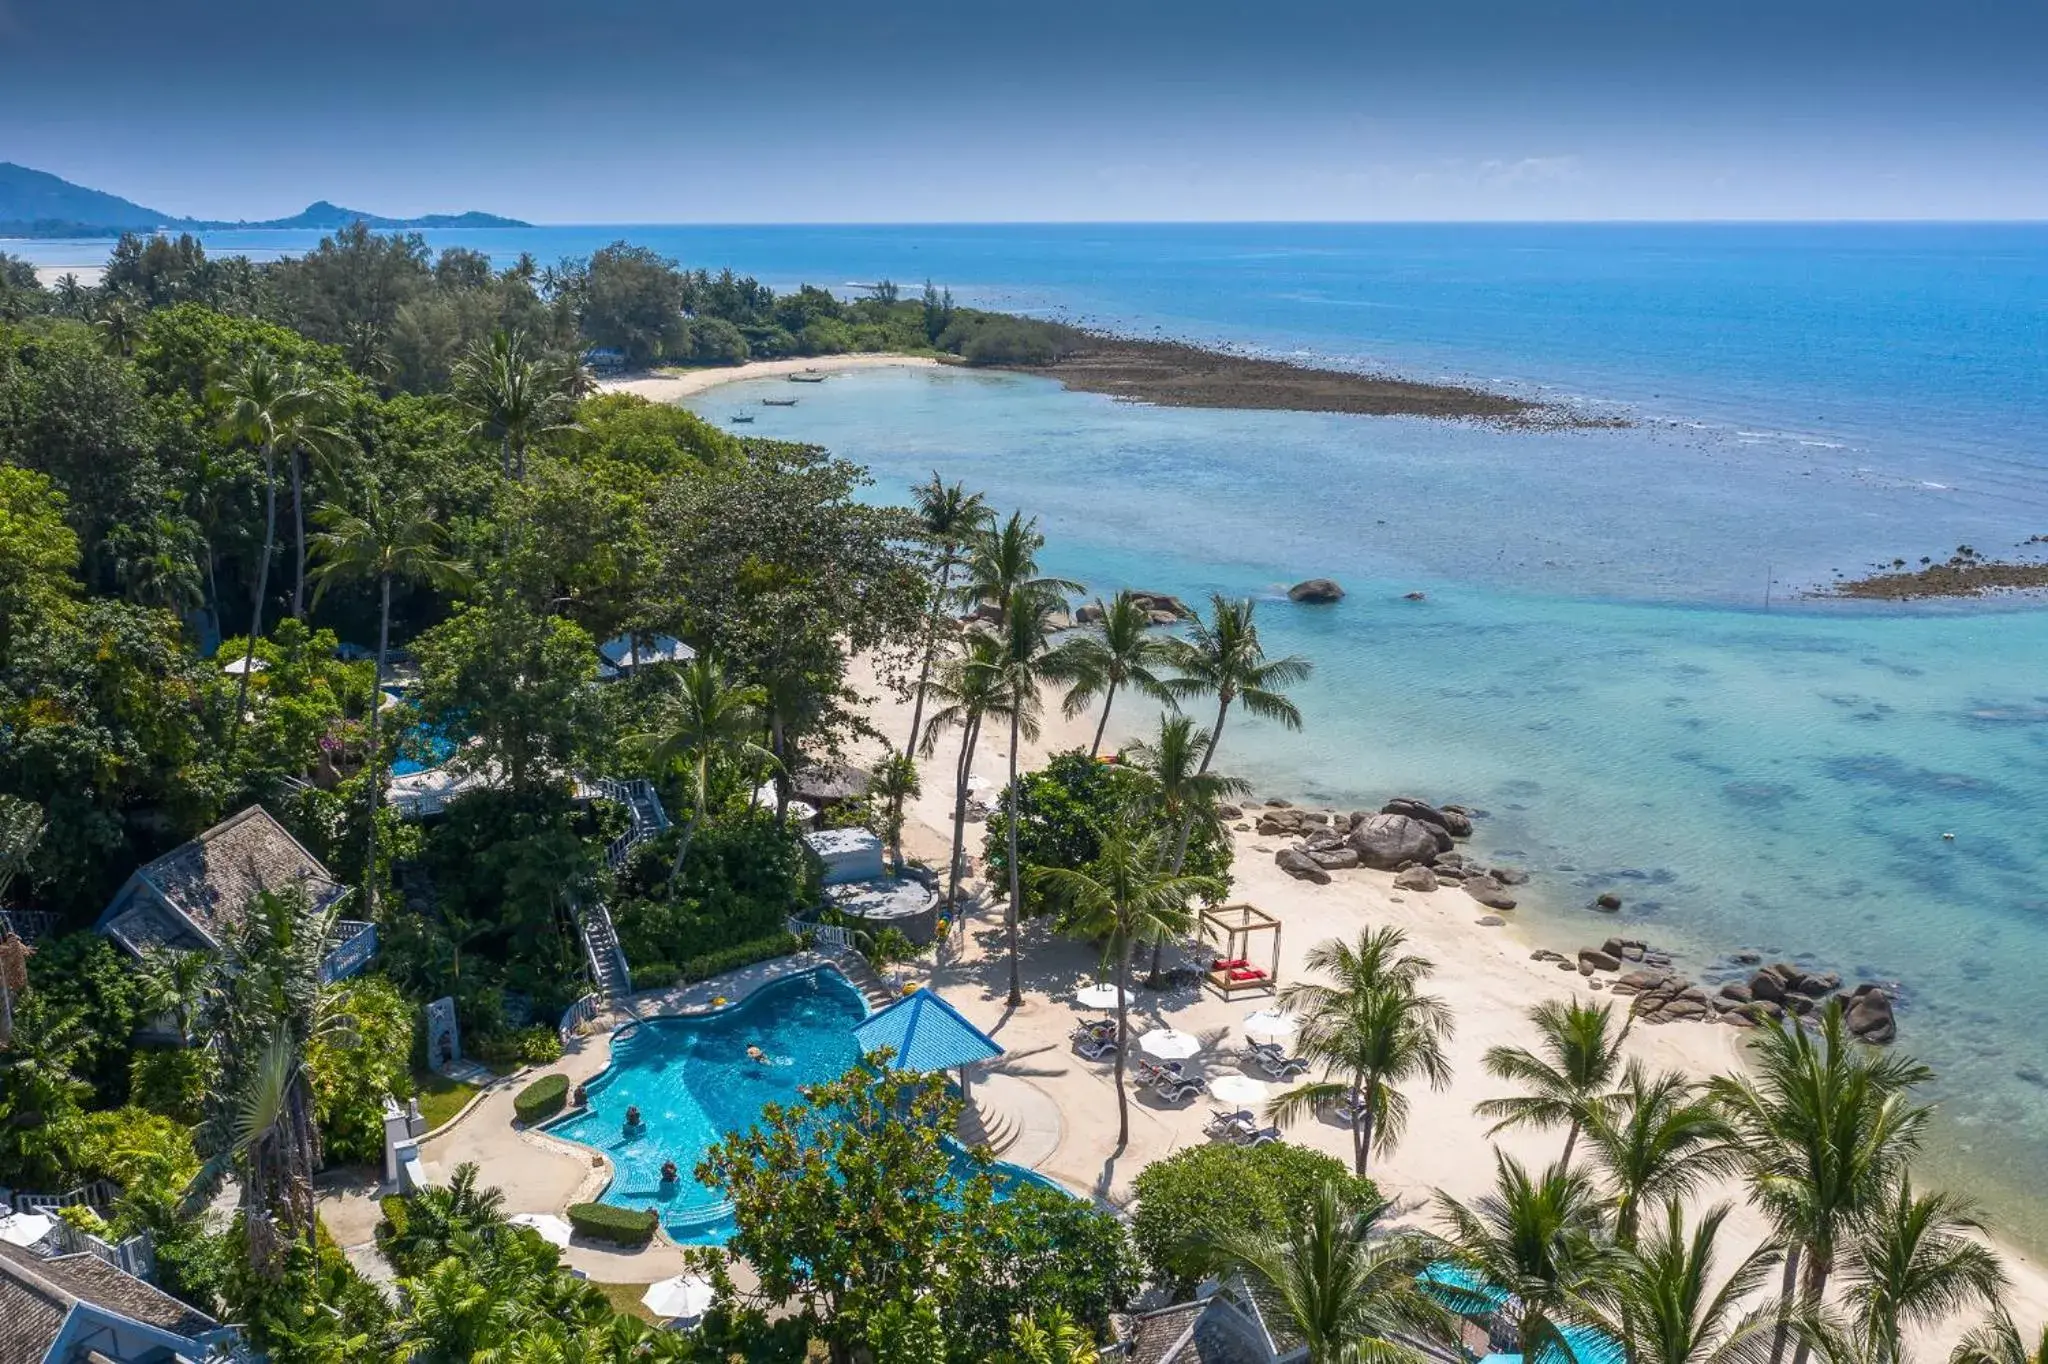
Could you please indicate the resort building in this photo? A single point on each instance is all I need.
(624, 655)
(77, 1309)
(193, 896)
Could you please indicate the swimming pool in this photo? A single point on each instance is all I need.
(693, 1083)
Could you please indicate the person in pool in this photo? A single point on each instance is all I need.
(754, 1053)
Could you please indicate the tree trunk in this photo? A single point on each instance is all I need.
(931, 644)
(1123, 1029)
(1815, 1292)
(1364, 1121)
(675, 870)
(781, 775)
(505, 457)
(299, 539)
(1571, 1139)
(966, 768)
(262, 585)
(1788, 1286)
(1016, 908)
(377, 753)
(1152, 977)
(1187, 825)
(1108, 700)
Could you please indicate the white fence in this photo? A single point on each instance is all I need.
(578, 1014)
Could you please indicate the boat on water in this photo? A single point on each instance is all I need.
(808, 377)
(778, 402)
(741, 418)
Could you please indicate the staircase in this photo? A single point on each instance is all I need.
(601, 944)
(643, 805)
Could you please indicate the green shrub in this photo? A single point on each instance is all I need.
(531, 1046)
(655, 975)
(353, 1068)
(392, 1227)
(622, 1226)
(1195, 1197)
(740, 954)
(543, 1098)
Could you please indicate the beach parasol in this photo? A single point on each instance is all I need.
(1271, 1023)
(1096, 997)
(1238, 1089)
(1169, 1044)
(552, 1229)
(685, 1295)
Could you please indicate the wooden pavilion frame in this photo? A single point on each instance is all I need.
(1233, 926)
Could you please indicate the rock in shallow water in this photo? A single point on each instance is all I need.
(1315, 591)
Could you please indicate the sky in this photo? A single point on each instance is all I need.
(647, 111)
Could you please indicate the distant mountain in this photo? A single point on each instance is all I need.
(35, 203)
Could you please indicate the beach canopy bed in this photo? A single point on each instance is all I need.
(1244, 965)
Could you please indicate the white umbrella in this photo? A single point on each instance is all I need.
(1169, 1044)
(1271, 1023)
(552, 1229)
(24, 1228)
(1096, 997)
(685, 1295)
(1238, 1089)
(233, 668)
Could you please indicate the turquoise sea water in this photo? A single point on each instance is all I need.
(693, 1082)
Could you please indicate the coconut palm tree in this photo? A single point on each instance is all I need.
(272, 406)
(708, 720)
(948, 518)
(1176, 779)
(1663, 1307)
(316, 440)
(118, 329)
(515, 396)
(893, 782)
(1002, 560)
(1998, 1341)
(1026, 658)
(1659, 1137)
(1569, 1078)
(1059, 1340)
(1115, 652)
(1915, 1260)
(1371, 1029)
(265, 1006)
(1126, 895)
(971, 688)
(1346, 1284)
(1824, 1123)
(1535, 1238)
(390, 539)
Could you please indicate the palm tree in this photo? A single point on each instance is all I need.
(1371, 1029)
(1661, 1304)
(389, 540)
(117, 329)
(1222, 657)
(1176, 778)
(1348, 1287)
(1003, 560)
(1535, 1238)
(948, 517)
(1117, 651)
(264, 1007)
(1568, 1078)
(1060, 1340)
(269, 405)
(174, 985)
(707, 721)
(1126, 895)
(893, 782)
(1915, 1260)
(1998, 1341)
(971, 688)
(1026, 659)
(1824, 1124)
(515, 397)
(1657, 1138)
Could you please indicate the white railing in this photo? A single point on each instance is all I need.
(358, 943)
(135, 1256)
(828, 937)
(578, 1014)
(99, 1195)
(27, 924)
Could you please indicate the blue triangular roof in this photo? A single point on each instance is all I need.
(925, 1033)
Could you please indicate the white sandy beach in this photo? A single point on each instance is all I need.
(668, 386)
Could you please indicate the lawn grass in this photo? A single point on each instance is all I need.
(625, 1299)
(441, 1098)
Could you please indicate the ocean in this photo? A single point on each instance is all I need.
(1616, 655)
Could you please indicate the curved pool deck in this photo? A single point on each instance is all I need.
(688, 1072)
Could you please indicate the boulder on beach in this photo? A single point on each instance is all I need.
(1416, 878)
(1337, 857)
(1598, 959)
(1455, 823)
(1300, 866)
(1489, 892)
(1869, 1015)
(1315, 591)
(1162, 602)
(1388, 842)
(1089, 614)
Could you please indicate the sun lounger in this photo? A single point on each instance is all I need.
(1279, 1065)
(1253, 1048)
(1222, 1126)
(1096, 1048)
(1264, 1136)
(1180, 1088)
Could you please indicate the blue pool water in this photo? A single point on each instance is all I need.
(693, 1083)
(424, 749)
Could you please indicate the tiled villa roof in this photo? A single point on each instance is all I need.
(1210, 1331)
(43, 1292)
(196, 893)
(926, 1033)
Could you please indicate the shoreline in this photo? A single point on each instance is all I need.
(1489, 975)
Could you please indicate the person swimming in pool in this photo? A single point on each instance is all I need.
(754, 1053)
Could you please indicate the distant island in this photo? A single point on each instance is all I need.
(36, 203)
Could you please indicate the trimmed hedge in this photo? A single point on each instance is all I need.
(740, 954)
(622, 1226)
(543, 1098)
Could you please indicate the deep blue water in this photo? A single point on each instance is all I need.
(1593, 663)
(693, 1082)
